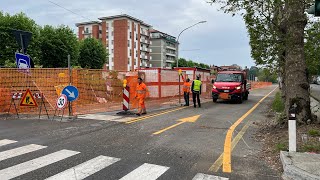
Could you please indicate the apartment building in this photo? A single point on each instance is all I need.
(126, 39)
(164, 49)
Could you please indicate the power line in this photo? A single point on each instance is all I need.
(69, 10)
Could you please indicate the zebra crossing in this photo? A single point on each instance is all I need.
(144, 172)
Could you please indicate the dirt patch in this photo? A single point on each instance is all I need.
(274, 138)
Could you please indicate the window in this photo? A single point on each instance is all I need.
(112, 60)
(135, 27)
(128, 43)
(112, 50)
(87, 30)
(128, 27)
(130, 35)
(112, 42)
(130, 52)
(128, 60)
(135, 44)
(112, 33)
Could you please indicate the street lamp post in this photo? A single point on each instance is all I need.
(200, 22)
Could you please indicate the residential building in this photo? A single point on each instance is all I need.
(164, 49)
(126, 39)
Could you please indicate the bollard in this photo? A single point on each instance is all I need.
(292, 129)
(126, 98)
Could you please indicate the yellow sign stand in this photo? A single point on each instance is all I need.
(28, 100)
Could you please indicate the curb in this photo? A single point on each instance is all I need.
(314, 97)
(291, 172)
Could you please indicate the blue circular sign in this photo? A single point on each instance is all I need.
(71, 92)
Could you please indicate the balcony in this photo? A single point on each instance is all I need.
(170, 54)
(87, 32)
(142, 56)
(144, 41)
(145, 33)
(170, 47)
(144, 49)
(170, 60)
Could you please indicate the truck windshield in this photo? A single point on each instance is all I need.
(229, 78)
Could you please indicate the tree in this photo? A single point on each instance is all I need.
(9, 45)
(189, 63)
(93, 54)
(312, 48)
(276, 31)
(56, 44)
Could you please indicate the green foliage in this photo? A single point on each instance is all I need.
(278, 104)
(8, 44)
(189, 63)
(93, 54)
(314, 132)
(281, 147)
(267, 75)
(311, 147)
(56, 44)
(312, 49)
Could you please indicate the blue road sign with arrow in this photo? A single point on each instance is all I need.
(71, 92)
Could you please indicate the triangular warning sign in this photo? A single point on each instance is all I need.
(28, 100)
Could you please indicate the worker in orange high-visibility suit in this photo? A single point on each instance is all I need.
(186, 91)
(141, 93)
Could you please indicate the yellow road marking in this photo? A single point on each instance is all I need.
(184, 120)
(217, 164)
(153, 115)
(227, 143)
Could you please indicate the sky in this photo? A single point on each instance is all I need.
(222, 40)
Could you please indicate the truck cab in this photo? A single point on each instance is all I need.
(230, 85)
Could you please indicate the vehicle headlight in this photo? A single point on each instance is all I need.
(214, 87)
(238, 88)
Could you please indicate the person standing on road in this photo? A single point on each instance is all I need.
(186, 91)
(196, 91)
(141, 92)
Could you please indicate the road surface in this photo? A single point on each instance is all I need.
(178, 143)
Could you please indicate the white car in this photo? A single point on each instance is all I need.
(318, 80)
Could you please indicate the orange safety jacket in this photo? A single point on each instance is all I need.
(141, 90)
(186, 87)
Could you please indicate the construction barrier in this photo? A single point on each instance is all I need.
(99, 90)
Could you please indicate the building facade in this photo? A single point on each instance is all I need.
(126, 39)
(164, 49)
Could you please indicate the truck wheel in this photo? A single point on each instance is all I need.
(246, 96)
(214, 99)
(240, 100)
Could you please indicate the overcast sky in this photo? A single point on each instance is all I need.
(223, 40)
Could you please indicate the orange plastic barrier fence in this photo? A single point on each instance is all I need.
(99, 90)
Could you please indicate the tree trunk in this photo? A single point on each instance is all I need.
(296, 80)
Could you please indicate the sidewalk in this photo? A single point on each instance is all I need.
(302, 166)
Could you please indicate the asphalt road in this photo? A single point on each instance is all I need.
(103, 149)
(315, 90)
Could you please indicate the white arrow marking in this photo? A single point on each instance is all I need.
(71, 94)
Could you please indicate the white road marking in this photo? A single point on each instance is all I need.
(101, 117)
(23, 168)
(6, 142)
(85, 169)
(19, 151)
(201, 176)
(146, 172)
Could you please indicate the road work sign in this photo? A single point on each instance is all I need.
(71, 92)
(28, 100)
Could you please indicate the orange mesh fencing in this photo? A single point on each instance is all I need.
(257, 85)
(99, 90)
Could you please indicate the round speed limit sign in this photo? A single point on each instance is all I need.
(62, 101)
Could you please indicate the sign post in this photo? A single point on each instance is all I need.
(292, 129)
(69, 70)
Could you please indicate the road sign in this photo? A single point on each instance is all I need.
(71, 92)
(62, 101)
(23, 63)
(28, 100)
